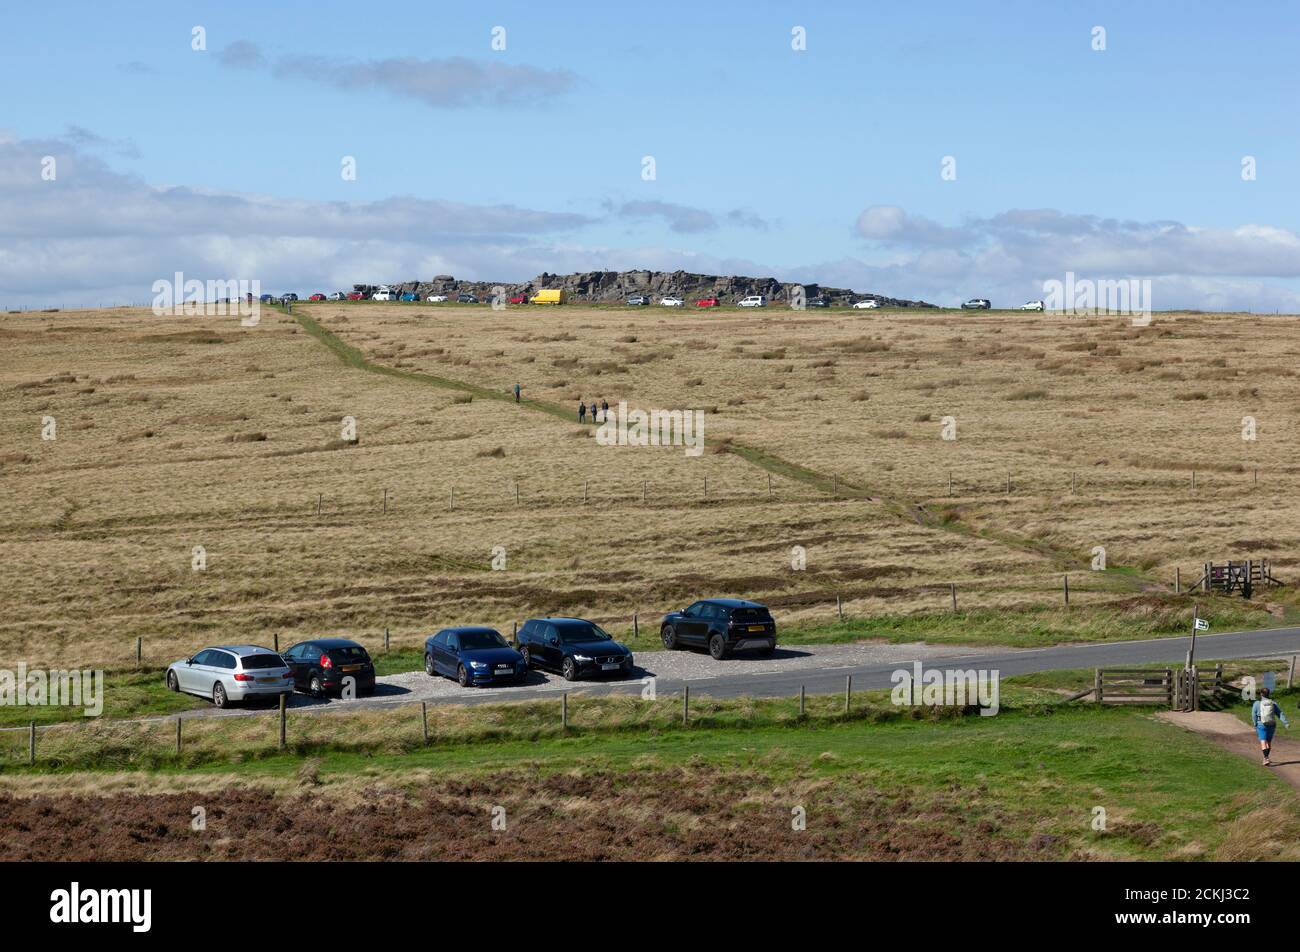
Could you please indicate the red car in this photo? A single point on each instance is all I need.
(519, 299)
(356, 296)
(708, 302)
(317, 297)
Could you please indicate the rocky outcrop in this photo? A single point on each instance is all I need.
(613, 287)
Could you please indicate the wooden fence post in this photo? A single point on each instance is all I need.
(320, 498)
(1073, 476)
(385, 640)
(1096, 685)
(514, 632)
(139, 650)
(839, 608)
(686, 704)
(178, 736)
(584, 490)
(283, 700)
(636, 628)
(848, 691)
(564, 710)
(952, 588)
(1065, 587)
(424, 720)
(950, 484)
(275, 640)
(1290, 675)
(385, 502)
(802, 690)
(1178, 580)
(769, 484)
(516, 492)
(451, 498)
(31, 743)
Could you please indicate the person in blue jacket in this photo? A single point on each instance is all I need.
(1264, 715)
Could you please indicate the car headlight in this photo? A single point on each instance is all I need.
(581, 657)
(477, 664)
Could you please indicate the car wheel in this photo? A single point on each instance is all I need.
(316, 689)
(669, 636)
(570, 670)
(428, 665)
(219, 696)
(528, 657)
(172, 683)
(462, 676)
(717, 647)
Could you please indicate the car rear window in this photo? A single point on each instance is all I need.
(254, 661)
(751, 614)
(349, 653)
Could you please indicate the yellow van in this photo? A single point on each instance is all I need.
(549, 296)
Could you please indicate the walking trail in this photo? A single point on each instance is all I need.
(1233, 734)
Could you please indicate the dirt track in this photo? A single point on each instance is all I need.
(663, 815)
(1235, 735)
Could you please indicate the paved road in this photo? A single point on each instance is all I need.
(821, 669)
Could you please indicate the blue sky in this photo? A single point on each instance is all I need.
(766, 158)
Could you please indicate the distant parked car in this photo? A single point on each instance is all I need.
(473, 656)
(711, 301)
(436, 298)
(382, 296)
(671, 301)
(356, 296)
(723, 625)
(819, 301)
(408, 296)
(1032, 306)
(519, 299)
(865, 304)
(318, 296)
(753, 300)
(231, 673)
(337, 296)
(466, 298)
(976, 304)
(266, 298)
(572, 646)
(638, 299)
(323, 665)
(290, 296)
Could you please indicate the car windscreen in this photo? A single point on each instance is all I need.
(348, 653)
(471, 640)
(582, 634)
(751, 614)
(262, 661)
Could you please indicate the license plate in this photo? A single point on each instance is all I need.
(270, 680)
(505, 669)
(610, 667)
(350, 667)
(757, 628)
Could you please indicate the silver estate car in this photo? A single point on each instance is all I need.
(231, 673)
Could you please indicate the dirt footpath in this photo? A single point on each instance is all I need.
(1233, 734)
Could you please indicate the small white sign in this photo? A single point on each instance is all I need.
(1201, 624)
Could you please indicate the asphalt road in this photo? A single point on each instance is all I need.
(820, 669)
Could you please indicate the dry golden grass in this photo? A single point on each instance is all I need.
(183, 432)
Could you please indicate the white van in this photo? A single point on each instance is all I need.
(382, 296)
(754, 300)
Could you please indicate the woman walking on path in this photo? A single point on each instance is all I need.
(1264, 715)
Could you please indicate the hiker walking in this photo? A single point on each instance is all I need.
(593, 411)
(604, 408)
(582, 411)
(1264, 715)
(517, 393)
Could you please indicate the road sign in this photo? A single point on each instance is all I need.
(1201, 624)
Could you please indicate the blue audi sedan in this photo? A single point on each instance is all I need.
(474, 657)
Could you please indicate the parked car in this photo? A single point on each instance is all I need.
(711, 301)
(436, 298)
(231, 673)
(723, 625)
(337, 296)
(671, 301)
(409, 296)
(753, 300)
(466, 298)
(265, 298)
(290, 296)
(473, 656)
(356, 296)
(637, 300)
(976, 304)
(820, 301)
(519, 299)
(572, 646)
(382, 296)
(866, 304)
(323, 665)
(318, 296)
(1032, 306)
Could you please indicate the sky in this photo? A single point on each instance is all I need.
(935, 151)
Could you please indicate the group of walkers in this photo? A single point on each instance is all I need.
(596, 416)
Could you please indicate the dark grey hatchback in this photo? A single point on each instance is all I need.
(574, 647)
